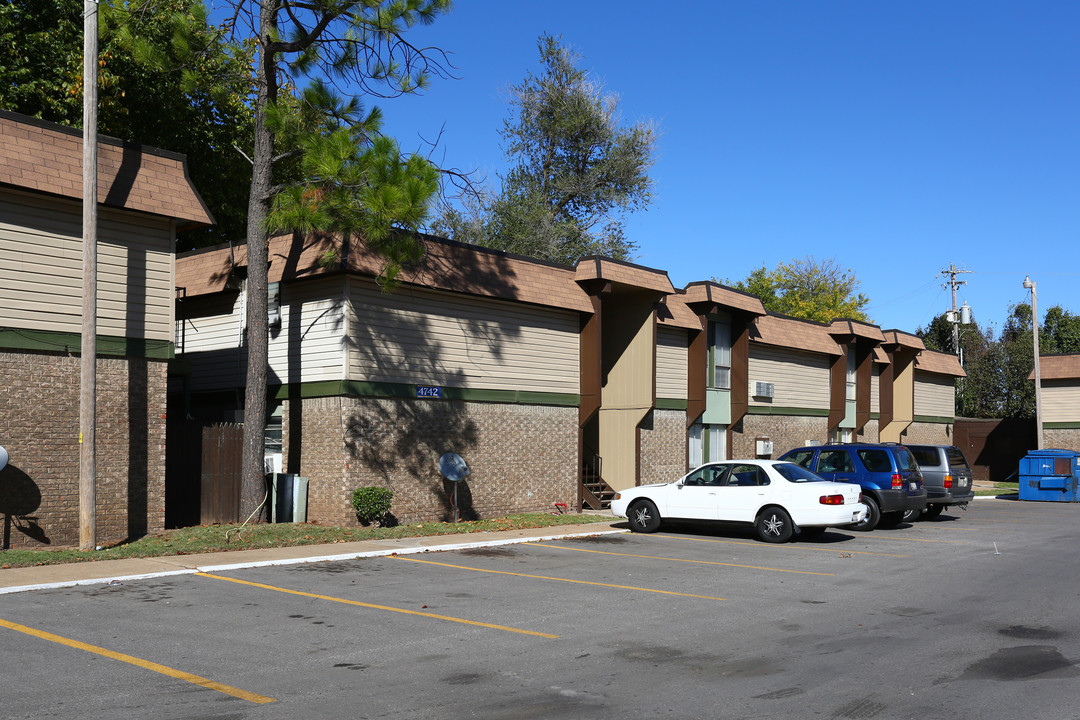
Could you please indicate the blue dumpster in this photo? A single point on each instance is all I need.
(1050, 475)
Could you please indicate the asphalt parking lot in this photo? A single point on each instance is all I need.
(969, 615)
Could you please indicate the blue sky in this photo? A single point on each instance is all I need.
(895, 138)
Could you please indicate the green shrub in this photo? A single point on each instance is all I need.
(372, 504)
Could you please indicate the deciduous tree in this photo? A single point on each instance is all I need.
(807, 288)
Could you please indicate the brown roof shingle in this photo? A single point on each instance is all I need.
(938, 362)
(792, 333)
(446, 265)
(1058, 367)
(46, 157)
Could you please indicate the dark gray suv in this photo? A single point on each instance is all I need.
(946, 477)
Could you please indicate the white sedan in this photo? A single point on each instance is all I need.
(780, 499)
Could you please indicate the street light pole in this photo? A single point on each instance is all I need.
(1030, 285)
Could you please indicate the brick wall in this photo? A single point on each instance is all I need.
(663, 446)
(1061, 439)
(785, 431)
(39, 426)
(522, 457)
(923, 433)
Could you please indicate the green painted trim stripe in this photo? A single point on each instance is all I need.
(771, 410)
(942, 419)
(1061, 425)
(360, 388)
(671, 404)
(71, 343)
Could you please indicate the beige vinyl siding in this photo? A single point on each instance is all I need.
(211, 345)
(671, 361)
(1061, 401)
(310, 346)
(425, 337)
(935, 395)
(307, 348)
(800, 379)
(41, 269)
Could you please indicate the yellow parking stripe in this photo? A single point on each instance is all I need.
(379, 607)
(670, 559)
(903, 538)
(545, 577)
(145, 664)
(800, 546)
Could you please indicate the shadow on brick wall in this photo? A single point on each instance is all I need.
(19, 498)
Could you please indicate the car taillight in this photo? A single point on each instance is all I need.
(831, 500)
(897, 481)
(948, 481)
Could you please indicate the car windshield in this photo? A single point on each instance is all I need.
(796, 473)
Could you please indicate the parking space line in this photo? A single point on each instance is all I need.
(145, 664)
(800, 546)
(670, 559)
(357, 603)
(545, 577)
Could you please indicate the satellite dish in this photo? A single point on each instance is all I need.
(453, 467)
(4, 457)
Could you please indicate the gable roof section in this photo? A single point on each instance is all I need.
(46, 157)
(940, 363)
(446, 265)
(792, 333)
(1058, 367)
(856, 328)
(623, 273)
(673, 312)
(710, 292)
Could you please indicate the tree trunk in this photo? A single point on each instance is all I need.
(253, 484)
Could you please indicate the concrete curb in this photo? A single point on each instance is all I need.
(412, 546)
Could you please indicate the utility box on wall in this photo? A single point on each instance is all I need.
(1050, 476)
(288, 498)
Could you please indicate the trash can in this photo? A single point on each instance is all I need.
(1050, 475)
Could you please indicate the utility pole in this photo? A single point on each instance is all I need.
(952, 271)
(1029, 284)
(88, 360)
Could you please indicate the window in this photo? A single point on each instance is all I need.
(747, 476)
(697, 456)
(835, 461)
(802, 457)
(850, 373)
(875, 460)
(717, 443)
(721, 341)
(710, 475)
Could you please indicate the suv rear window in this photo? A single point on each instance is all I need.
(927, 456)
(956, 458)
(834, 461)
(904, 459)
(875, 460)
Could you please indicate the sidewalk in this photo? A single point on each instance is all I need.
(106, 571)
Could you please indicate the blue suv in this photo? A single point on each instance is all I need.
(888, 474)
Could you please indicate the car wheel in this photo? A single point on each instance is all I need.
(873, 515)
(932, 511)
(811, 533)
(912, 515)
(774, 525)
(891, 519)
(643, 517)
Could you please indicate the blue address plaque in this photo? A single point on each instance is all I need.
(428, 391)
